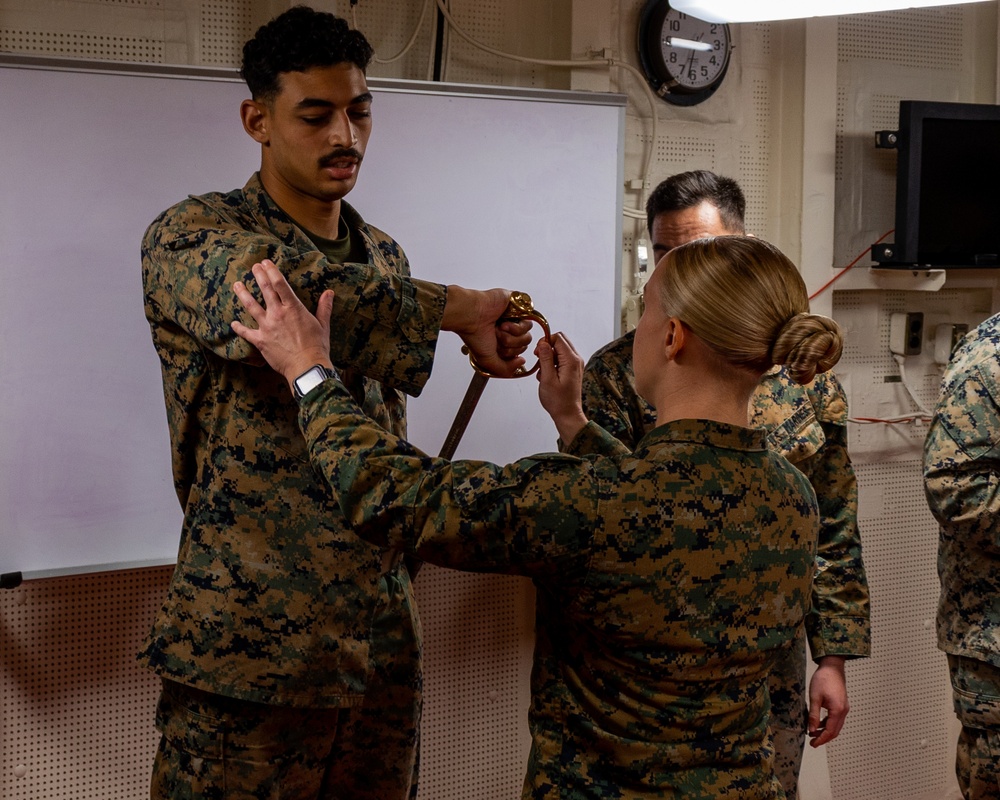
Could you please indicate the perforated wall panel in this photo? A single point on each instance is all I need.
(72, 44)
(478, 639)
(77, 710)
(225, 26)
(897, 743)
(756, 175)
(676, 153)
(930, 38)
(841, 106)
(484, 22)
(758, 43)
(129, 30)
(389, 26)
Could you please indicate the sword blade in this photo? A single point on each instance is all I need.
(472, 395)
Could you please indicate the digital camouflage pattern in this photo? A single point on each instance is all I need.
(976, 691)
(667, 579)
(216, 748)
(789, 713)
(273, 597)
(807, 425)
(961, 468)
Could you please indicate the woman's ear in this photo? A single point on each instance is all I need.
(675, 338)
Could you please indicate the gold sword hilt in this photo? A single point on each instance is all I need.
(519, 307)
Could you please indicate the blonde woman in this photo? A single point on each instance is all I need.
(668, 578)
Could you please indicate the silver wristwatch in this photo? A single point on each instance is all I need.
(310, 379)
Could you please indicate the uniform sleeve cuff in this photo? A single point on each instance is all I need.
(593, 440)
(849, 637)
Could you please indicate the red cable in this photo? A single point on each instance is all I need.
(840, 274)
(907, 421)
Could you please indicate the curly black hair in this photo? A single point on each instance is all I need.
(297, 40)
(688, 189)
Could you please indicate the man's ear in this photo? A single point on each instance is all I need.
(675, 338)
(255, 120)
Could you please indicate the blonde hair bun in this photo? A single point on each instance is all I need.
(807, 344)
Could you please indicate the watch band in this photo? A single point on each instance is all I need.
(310, 379)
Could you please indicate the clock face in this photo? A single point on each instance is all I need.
(684, 58)
(694, 53)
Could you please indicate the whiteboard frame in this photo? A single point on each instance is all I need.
(618, 101)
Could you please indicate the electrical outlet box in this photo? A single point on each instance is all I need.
(906, 333)
(947, 335)
(631, 311)
(642, 255)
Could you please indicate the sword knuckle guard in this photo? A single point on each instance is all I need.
(519, 307)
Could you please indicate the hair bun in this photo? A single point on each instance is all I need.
(807, 344)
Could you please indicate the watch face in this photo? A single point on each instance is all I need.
(309, 380)
(685, 58)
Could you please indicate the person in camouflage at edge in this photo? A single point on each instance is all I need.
(806, 424)
(961, 464)
(289, 648)
(669, 578)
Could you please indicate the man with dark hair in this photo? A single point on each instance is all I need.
(296, 41)
(289, 648)
(808, 425)
(703, 191)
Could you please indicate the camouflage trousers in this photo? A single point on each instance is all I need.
(789, 713)
(214, 747)
(976, 693)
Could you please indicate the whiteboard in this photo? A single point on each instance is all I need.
(480, 186)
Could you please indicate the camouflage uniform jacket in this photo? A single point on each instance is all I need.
(807, 425)
(961, 475)
(273, 597)
(667, 581)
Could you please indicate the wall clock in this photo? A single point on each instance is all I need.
(685, 59)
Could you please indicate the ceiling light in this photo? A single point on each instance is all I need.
(765, 10)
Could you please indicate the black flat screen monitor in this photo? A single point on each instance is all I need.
(948, 185)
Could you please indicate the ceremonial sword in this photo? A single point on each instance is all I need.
(519, 307)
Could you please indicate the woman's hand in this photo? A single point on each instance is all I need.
(287, 335)
(560, 381)
(827, 690)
